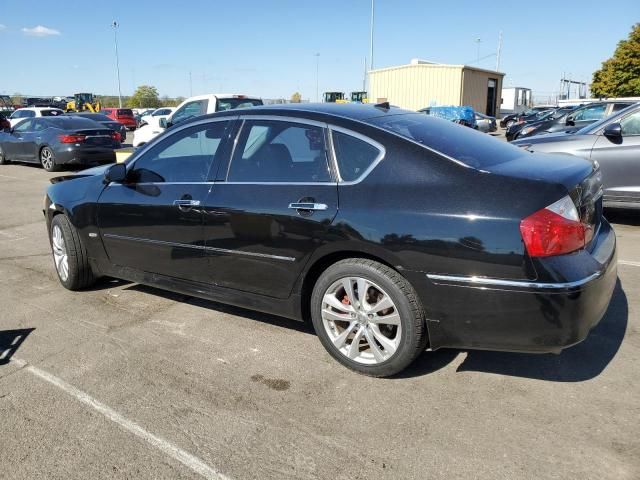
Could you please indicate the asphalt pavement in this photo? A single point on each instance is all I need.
(126, 381)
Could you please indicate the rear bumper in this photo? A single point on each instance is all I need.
(523, 316)
(96, 156)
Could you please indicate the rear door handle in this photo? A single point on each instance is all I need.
(308, 206)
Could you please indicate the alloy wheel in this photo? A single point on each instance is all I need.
(60, 256)
(361, 320)
(46, 158)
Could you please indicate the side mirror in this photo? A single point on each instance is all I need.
(164, 123)
(570, 121)
(116, 173)
(613, 131)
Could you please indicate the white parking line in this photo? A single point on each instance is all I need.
(194, 463)
(631, 264)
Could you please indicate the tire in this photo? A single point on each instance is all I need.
(68, 250)
(48, 160)
(3, 159)
(338, 322)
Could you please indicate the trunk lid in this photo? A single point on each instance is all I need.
(97, 138)
(581, 179)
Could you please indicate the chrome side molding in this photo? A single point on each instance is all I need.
(474, 281)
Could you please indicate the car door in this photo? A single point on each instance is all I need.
(16, 147)
(619, 160)
(272, 207)
(153, 221)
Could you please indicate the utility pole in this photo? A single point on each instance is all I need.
(478, 41)
(317, 55)
(371, 36)
(115, 40)
(499, 51)
(364, 78)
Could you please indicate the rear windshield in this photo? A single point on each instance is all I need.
(125, 112)
(475, 149)
(72, 123)
(51, 113)
(232, 103)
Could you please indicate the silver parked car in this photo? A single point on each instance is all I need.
(614, 143)
(486, 123)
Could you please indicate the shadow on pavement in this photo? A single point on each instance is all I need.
(10, 341)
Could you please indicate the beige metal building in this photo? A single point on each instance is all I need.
(423, 84)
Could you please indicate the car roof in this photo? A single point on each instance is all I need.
(38, 109)
(220, 95)
(351, 111)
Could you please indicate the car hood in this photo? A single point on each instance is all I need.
(89, 172)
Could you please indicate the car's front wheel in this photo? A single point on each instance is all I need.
(47, 160)
(368, 317)
(69, 255)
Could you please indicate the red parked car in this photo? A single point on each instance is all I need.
(122, 115)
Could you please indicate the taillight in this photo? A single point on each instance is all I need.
(555, 230)
(72, 138)
(116, 136)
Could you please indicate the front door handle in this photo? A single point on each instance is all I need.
(308, 206)
(186, 204)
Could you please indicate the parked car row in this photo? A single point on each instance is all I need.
(464, 115)
(561, 119)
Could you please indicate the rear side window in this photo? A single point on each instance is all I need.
(51, 113)
(354, 156)
(233, 103)
(274, 151)
(125, 112)
(190, 110)
(475, 149)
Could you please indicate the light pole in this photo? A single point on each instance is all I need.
(478, 41)
(317, 55)
(115, 41)
(371, 37)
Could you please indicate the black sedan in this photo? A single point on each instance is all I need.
(57, 141)
(391, 230)
(105, 121)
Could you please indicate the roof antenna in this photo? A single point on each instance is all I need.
(383, 105)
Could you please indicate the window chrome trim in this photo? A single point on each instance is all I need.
(475, 281)
(382, 152)
(199, 247)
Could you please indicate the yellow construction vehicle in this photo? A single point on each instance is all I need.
(83, 102)
(359, 97)
(334, 97)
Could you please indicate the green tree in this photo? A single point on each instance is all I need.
(145, 96)
(296, 97)
(620, 75)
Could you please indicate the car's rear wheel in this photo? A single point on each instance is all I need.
(368, 317)
(47, 160)
(69, 255)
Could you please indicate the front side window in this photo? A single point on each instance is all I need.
(190, 110)
(596, 112)
(274, 151)
(354, 156)
(51, 113)
(24, 126)
(631, 124)
(185, 156)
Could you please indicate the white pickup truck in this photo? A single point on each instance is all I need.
(192, 107)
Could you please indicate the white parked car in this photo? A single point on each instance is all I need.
(30, 112)
(156, 115)
(192, 107)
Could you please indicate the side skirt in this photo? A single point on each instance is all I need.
(289, 308)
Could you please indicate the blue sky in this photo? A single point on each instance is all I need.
(267, 47)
